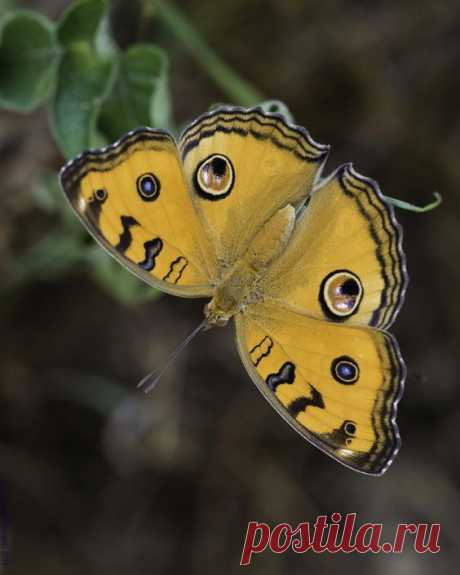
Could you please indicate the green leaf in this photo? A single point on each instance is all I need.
(116, 279)
(28, 59)
(6, 6)
(140, 95)
(84, 81)
(160, 103)
(278, 107)
(85, 76)
(81, 22)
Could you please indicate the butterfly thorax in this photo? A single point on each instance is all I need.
(239, 285)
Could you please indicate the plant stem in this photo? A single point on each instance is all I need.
(236, 88)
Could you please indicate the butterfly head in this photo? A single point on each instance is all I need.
(215, 315)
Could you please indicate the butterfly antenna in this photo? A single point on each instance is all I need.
(152, 378)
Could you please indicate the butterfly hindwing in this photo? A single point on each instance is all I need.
(337, 385)
(344, 262)
(133, 198)
(242, 167)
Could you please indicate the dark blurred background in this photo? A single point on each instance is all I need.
(98, 478)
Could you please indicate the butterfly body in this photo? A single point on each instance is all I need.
(240, 285)
(310, 269)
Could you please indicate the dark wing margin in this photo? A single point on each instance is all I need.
(367, 195)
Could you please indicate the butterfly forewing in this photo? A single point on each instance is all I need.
(133, 198)
(242, 167)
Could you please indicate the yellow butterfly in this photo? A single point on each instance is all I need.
(310, 269)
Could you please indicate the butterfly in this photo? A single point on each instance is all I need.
(310, 269)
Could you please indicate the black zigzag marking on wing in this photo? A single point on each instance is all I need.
(301, 403)
(387, 444)
(300, 136)
(286, 374)
(193, 143)
(391, 294)
(269, 342)
(125, 237)
(152, 249)
(178, 265)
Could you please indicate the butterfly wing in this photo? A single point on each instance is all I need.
(243, 166)
(308, 346)
(335, 384)
(344, 261)
(133, 198)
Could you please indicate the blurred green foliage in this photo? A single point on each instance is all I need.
(28, 59)
(95, 91)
